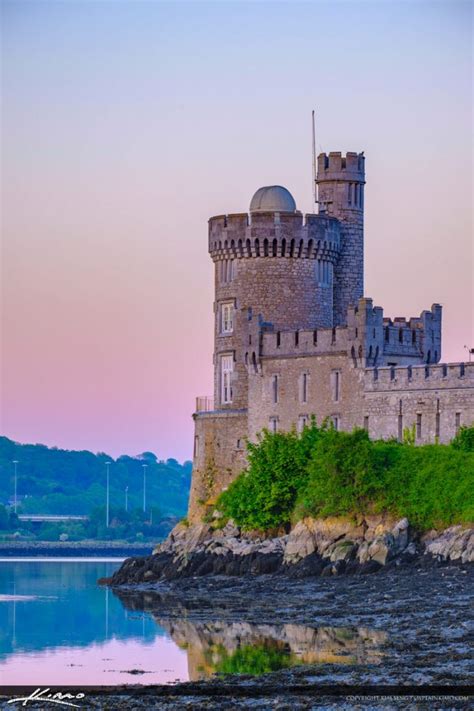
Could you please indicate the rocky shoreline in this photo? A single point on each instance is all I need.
(313, 547)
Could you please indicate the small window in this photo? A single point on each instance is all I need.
(387, 334)
(445, 370)
(273, 424)
(413, 337)
(304, 387)
(227, 318)
(366, 423)
(336, 385)
(196, 446)
(418, 425)
(315, 337)
(297, 338)
(336, 422)
(302, 422)
(400, 335)
(462, 370)
(333, 336)
(278, 339)
(275, 389)
(457, 422)
(239, 444)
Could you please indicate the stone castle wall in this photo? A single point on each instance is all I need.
(304, 341)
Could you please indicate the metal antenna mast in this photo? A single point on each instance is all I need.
(315, 186)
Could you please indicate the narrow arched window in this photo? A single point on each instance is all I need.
(275, 247)
(257, 248)
(265, 248)
(283, 247)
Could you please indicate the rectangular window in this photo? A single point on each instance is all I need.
(227, 317)
(196, 446)
(273, 424)
(304, 387)
(418, 425)
(302, 422)
(457, 421)
(336, 422)
(336, 385)
(275, 388)
(366, 423)
(227, 367)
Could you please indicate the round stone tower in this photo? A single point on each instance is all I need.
(271, 267)
(341, 181)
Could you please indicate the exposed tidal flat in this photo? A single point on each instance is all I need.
(225, 642)
(275, 642)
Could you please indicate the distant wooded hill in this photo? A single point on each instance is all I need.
(59, 481)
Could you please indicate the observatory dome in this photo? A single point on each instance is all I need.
(273, 198)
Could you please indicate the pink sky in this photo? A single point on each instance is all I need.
(126, 126)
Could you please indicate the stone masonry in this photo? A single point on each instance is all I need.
(294, 336)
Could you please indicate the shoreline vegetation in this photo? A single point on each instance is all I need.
(327, 503)
(323, 472)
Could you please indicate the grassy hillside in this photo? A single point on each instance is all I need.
(323, 472)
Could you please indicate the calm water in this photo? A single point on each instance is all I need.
(58, 627)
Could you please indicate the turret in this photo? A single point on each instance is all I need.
(340, 181)
(271, 268)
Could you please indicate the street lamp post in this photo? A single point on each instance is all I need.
(144, 466)
(107, 464)
(15, 463)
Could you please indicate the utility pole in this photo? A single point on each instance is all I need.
(144, 466)
(107, 464)
(15, 463)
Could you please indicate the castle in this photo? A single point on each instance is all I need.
(294, 335)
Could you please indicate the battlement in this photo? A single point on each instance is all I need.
(419, 377)
(379, 340)
(240, 236)
(286, 344)
(335, 166)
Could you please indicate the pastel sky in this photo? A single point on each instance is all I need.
(126, 125)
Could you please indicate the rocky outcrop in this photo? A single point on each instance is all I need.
(330, 546)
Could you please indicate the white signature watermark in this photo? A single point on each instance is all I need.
(58, 697)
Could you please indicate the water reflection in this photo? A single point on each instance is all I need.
(58, 627)
(221, 647)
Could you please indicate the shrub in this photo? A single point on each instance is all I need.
(264, 495)
(324, 472)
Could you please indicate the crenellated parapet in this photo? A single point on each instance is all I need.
(419, 377)
(319, 341)
(241, 236)
(379, 341)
